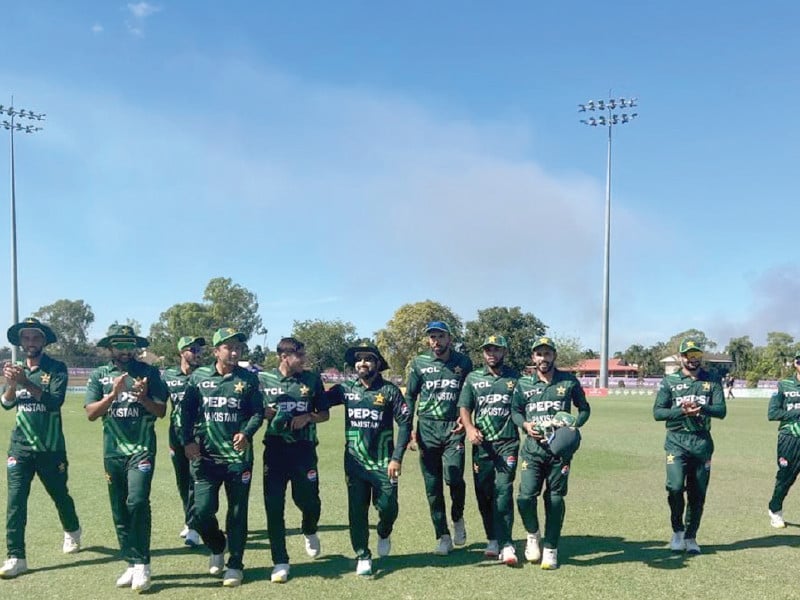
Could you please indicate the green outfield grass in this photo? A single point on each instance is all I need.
(613, 545)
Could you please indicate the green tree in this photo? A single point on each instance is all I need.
(186, 318)
(326, 341)
(742, 353)
(520, 329)
(675, 341)
(70, 320)
(775, 359)
(569, 352)
(404, 334)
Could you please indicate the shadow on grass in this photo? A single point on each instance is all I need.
(108, 555)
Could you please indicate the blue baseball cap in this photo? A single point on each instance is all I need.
(437, 326)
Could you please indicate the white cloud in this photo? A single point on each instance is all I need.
(97, 28)
(139, 13)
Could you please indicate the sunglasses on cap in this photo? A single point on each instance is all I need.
(123, 345)
(694, 355)
(194, 349)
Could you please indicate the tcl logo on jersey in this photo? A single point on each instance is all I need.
(480, 385)
(274, 391)
(429, 370)
(208, 385)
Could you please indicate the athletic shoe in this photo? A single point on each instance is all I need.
(691, 546)
(280, 573)
(533, 549)
(216, 563)
(444, 545)
(184, 531)
(492, 549)
(677, 543)
(233, 578)
(72, 541)
(384, 546)
(776, 519)
(141, 578)
(192, 538)
(13, 567)
(550, 559)
(459, 532)
(508, 555)
(364, 567)
(126, 579)
(313, 547)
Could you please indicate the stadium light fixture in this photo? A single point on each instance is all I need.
(11, 126)
(609, 120)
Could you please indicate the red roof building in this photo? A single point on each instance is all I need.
(616, 368)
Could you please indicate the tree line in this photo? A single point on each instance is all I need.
(226, 303)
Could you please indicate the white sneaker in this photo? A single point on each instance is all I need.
(13, 567)
(492, 549)
(508, 555)
(691, 546)
(533, 549)
(444, 545)
(192, 538)
(280, 573)
(677, 544)
(459, 532)
(776, 519)
(141, 578)
(233, 578)
(126, 579)
(313, 547)
(184, 531)
(72, 541)
(550, 559)
(216, 563)
(384, 546)
(364, 567)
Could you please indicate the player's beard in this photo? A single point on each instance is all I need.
(544, 366)
(367, 373)
(33, 352)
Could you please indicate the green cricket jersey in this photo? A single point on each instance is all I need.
(434, 385)
(292, 396)
(38, 423)
(176, 381)
(677, 389)
(128, 428)
(536, 401)
(215, 407)
(784, 406)
(488, 398)
(368, 424)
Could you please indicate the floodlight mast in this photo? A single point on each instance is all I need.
(609, 119)
(12, 126)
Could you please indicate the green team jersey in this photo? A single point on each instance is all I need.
(433, 385)
(291, 396)
(536, 401)
(488, 397)
(176, 381)
(128, 428)
(677, 389)
(368, 423)
(38, 423)
(784, 406)
(215, 407)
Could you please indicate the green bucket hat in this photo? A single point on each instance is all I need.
(31, 323)
(124, 334)
(189, 340)
(690, 345)
(495, 340)
(544, 341)
(223, 334)
(350, 355)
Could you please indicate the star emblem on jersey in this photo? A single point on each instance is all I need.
(458, 371)
(670, 459)
(45, 378)
(239, 387)
(523, 465)
(379, 400)
(304, 390)
(561, 390)
(706, 386)
(510, 385)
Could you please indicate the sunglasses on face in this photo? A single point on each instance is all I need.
(123, 345)
(194, 349)
(694, 355)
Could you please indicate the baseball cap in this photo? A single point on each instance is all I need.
(690, 345)
(495, 340)
(437, 326)
(189, 340)
(543, 341)
(223, 334)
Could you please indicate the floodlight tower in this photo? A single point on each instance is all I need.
(607, 118)
(30, 124)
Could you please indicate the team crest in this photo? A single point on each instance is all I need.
(239, 387)
(108, 478)
(783, 463)
(305, 390)
(145, 466)
(510, 385)
(706, 386)
(246, 477)
(561, 390)
(476, 468)
(11, 462)
(511, 461)
(523, 465)
(45, 378)
(670, 459)
(379, 400)
(62, 467)
(565, 470)
(311, 475)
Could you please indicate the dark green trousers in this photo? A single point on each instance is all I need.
(788, 469)
(494, 466)
(209, 477)
(688, 464)
(365, 486)
(129, 479)
(537, 467)
(51, 467)
(183, 477)
(442, 462)
(294, 463)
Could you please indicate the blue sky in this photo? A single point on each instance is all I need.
(343, 158)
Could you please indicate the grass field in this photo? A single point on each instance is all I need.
(613, 544)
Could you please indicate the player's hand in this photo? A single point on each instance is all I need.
(13, 373)
(270, 412)
(140, 388)
(394, 469)
(240, 442)
(118, 384)
(690, 409)
(474, 435)
(192, 451)
(412, 443)
(301, 421)
(531, 430)
(459, 426)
